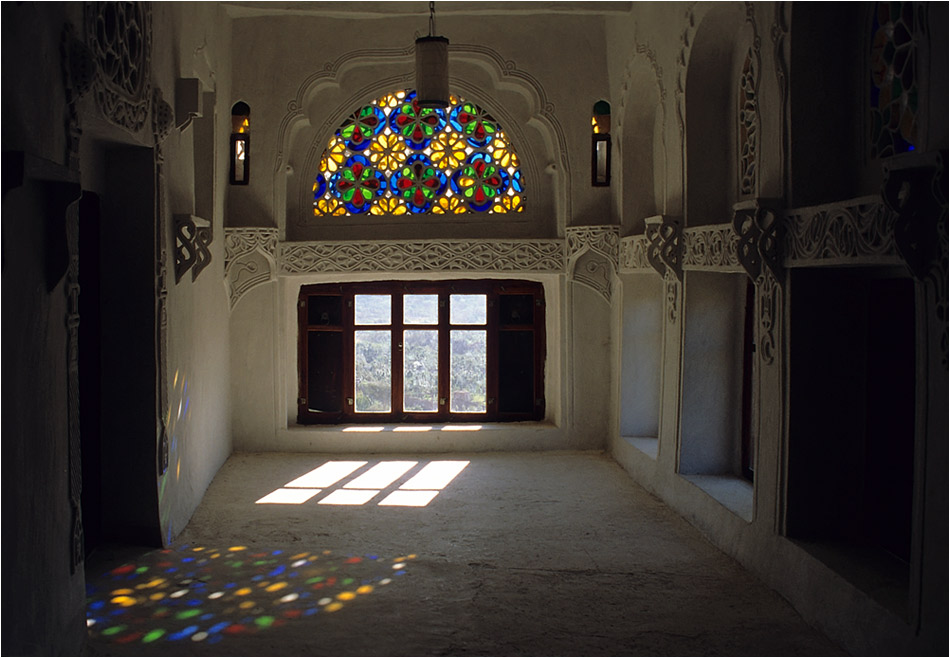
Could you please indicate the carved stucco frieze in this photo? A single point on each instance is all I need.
(605, 240)
(633, 253)
(594, 256)
(710, 248)
(119, 35)
(250, 260)
(423, 256)
(857, 231)
(665, 238)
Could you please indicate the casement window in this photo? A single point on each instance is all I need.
(417, 351)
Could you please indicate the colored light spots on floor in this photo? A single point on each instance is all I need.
(184, 633)
(209, 599)
(153, 635)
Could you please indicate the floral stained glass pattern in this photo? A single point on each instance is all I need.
(392, 157)
(893, 87)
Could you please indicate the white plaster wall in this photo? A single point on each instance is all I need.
(712, 372)
(198, 366)
(641, 357)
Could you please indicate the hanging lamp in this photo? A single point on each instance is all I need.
(432, 67)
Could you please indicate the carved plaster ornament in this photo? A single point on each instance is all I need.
(633, 253)
(119, 35)
(711, 247)
(163, 116)
(250, 260)
(423, 256)
(854, 231)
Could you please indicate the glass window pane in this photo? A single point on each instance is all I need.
(421, 370)
(372, 309)
(373, 364)
(420, 309)
(467, 309)
(467, 370)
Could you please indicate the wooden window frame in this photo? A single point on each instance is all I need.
(343, 385)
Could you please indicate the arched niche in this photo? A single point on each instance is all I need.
(642, 150)
(828, 78)
(478, 74)
(723, 39)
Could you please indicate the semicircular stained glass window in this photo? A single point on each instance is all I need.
(392, 157)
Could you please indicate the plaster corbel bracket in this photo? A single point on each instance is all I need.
(250, 260)
(914, 188)
(192, 239)
(760, 237)
(665, 252)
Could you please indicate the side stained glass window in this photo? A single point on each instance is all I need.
(392, 157)
(893, 79)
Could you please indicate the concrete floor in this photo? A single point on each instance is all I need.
(520, 554)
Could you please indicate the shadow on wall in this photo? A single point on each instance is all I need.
(205, 595)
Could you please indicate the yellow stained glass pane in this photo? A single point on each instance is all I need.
(330, 207)
(389, 206)
(392, 100)
(508, 204)
(502, 153)
(449, 206)
(448, 150)
(335, 155)
(387, 152)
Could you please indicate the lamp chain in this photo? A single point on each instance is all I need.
(431, 18)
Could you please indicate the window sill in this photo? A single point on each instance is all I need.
(648, 446)
(733, 493)
(421, 428)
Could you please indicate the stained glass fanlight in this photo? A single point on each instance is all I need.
(393, 157)
(893, 89)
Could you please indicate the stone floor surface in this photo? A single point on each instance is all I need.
(555, 554)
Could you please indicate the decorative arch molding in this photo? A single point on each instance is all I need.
(723, 33)
(631, 119)
(479, 73)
